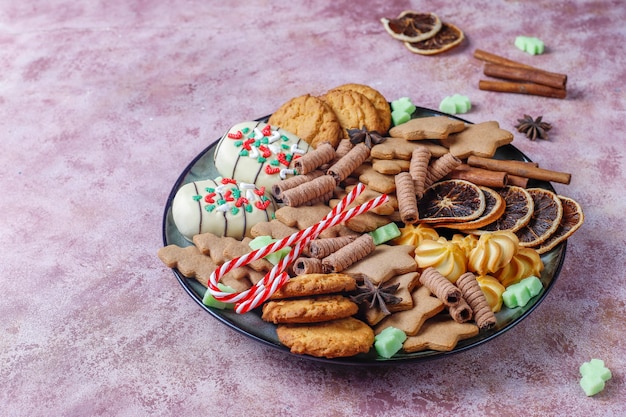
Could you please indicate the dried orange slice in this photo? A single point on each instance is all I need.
(573, 218)
(447, 38)
(451, 201)
(519, 208)
(412, 26)
(545, 219)
(494, 208)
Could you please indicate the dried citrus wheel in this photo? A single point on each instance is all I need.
(494, 208)
(573, 218)
(412, 26)
(447, 38)
(451, 201)
(545, 220)
(519, 208)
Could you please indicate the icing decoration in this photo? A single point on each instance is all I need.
(255, 152)
(221, 207)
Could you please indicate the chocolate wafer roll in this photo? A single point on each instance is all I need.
(303, 193)
(343, 148)
(407, 201)
(349, 254)
(303, 266)
(441, 287)
(483, 316)
(323, 154)
(441, 167)
(321, 248)
(292, 182)
(461, 313)
(321, 199)
(418, 168)
(348, 163)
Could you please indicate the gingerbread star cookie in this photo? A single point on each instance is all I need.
(434, 127)
(406, 284)
(410, 321)
(481, 139)
(385, 262)
(440, 333)
(400, 148)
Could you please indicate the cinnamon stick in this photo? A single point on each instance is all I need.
(518, 181)
(496, 59)
(531, 75)
(522, 88)
(514, 168)
(480, 176)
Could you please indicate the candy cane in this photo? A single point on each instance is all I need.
(276, 277)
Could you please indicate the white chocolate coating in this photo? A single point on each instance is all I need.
(222, 209)
(257, 153)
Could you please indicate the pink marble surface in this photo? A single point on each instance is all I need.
(103, 103)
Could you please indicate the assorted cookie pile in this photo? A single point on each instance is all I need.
(351, 235)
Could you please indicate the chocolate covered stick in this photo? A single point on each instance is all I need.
(483, 316)
(309, 191)
(439, 285)
(281, 186)
(310, 161)
(461, 312)
(343, 148)
(441, 167)
(321, 248)
(407, 200)
(303, 266)
(418, 168)
(349, 254)
(348, 163)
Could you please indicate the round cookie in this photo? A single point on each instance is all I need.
(331, 339)
(353, 110)
(257, 153)
(221, 207)
(376, 98)
(309, 118)
(309, 309)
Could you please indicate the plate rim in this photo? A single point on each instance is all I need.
(368, 359)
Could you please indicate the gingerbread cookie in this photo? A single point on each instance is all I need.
(384, 263)
(390, 166)
(399, 148)
(376, 98)
(440, 333)
(309, 118)
(375, 180)
(353, 110)
(481, 139)
(222, 207)
(433, 127)
(332, 339)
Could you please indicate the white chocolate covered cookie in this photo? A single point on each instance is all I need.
(257, 153)
(222, 207)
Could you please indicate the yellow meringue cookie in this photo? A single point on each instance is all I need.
(493, 290)
(466, 242)
(525, 262)
(492, 252)
(414, 235)
(446, 257)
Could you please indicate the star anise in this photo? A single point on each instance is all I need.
(377, 295)
(533, 128)
(370, 138)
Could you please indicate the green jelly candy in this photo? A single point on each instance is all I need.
(518, 295)
(403, 104)
(385, 233)
(262, 241)
(530, 45)
(455, 104)
(210, 301)
(594, 375)
(398, 117)
(388, 342)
